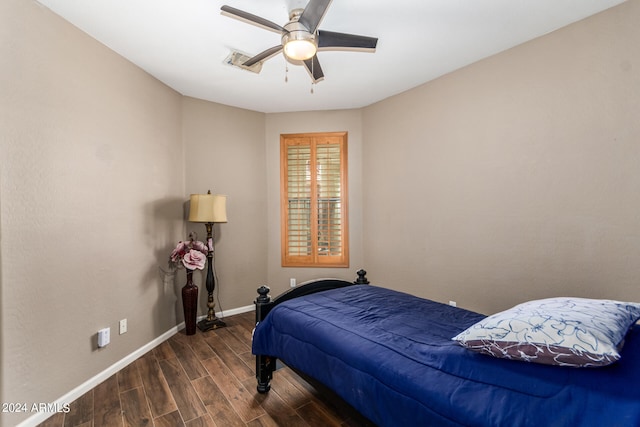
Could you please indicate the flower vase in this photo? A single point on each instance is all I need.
(190, 303)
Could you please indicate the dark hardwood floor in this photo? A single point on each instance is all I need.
(206, 379)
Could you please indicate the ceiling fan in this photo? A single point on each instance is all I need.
(301, 39)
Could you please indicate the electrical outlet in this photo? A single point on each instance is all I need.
(292, 282)
(123, 326)
(453, 303)
(104, 337)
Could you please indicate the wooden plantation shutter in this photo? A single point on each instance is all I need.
(314, 200)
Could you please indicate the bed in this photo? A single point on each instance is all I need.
(391, 356)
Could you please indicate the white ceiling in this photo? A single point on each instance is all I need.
(184, 43)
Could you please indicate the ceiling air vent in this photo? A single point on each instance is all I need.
(236, 59)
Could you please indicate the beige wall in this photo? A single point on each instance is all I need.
(514, 178)
(91, 187)
(320, 121)
(225, 153)
(511, 179)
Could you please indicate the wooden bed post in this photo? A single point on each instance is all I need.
(362, 278)
(265, 365)
(262, 300)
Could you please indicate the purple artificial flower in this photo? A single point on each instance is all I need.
(192, 254)
(194, 259)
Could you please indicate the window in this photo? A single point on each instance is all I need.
(314, 200)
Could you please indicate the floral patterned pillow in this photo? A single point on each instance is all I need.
(577, 332)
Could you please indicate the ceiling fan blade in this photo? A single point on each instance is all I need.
(313, 14)
(252, 19)
(330, 39)
(314, 69)
(263, 56)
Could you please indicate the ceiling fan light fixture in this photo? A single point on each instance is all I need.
(300, 50)
(301, 38)
(298, 43)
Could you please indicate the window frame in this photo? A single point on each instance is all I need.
(314, 259)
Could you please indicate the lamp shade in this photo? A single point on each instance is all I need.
(208, 208)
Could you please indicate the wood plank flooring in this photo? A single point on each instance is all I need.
(205, 380)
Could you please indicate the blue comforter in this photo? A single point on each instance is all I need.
(390, 356)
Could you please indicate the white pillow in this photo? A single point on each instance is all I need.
(577, 332)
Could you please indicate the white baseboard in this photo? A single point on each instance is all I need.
(238, 310)
(39, 417)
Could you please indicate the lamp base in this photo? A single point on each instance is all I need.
(206, 325)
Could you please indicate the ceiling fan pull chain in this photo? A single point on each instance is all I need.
(312, 78)
(286, 73)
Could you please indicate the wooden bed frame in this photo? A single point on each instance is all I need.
(265, 365)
